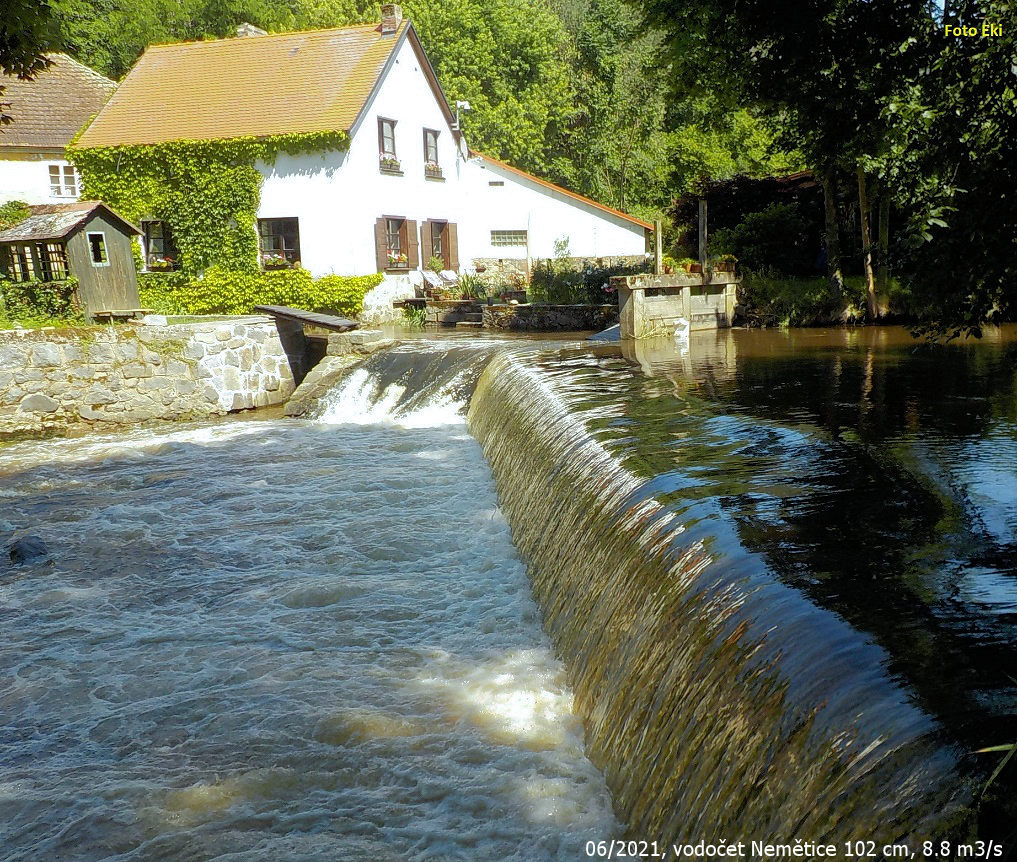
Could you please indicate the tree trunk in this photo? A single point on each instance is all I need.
(832, 231)
(884, 243)
(863, 217)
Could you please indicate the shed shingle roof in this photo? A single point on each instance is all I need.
(56, 221)
(256, 86)
(48, 110)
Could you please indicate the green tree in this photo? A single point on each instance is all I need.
(823, 71)
(954, 166)
(26, 33)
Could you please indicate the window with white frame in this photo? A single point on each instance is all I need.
(97, 249)
(63, 181)
(508, 238)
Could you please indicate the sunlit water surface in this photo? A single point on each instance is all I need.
(272, 640)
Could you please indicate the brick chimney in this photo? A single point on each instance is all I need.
(391, 18)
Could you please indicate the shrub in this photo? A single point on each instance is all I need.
(775, 239)
(435, 263)
(11, 213)
(558, 281)
(34, 300)
(238, 292)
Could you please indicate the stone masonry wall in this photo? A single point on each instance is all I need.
(550, 318)
(511, 271)
(56, 379)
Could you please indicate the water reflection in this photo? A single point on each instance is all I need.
(873, 479)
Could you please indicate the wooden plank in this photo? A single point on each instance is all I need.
(312, 318)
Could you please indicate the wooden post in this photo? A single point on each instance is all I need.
(702, 233)
(658, 247)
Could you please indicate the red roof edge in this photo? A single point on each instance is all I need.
(582, 198)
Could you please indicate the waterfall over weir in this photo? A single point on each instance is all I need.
(719, 702)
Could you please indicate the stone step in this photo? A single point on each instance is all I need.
(470, 324)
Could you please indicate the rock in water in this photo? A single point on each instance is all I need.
(28, 549)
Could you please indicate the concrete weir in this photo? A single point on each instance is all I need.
(653, 305)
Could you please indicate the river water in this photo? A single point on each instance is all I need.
(279, 640)
(794, 611)
(780, 569)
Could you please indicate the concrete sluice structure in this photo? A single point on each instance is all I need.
(651, 306)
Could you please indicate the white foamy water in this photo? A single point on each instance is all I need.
(280, 641)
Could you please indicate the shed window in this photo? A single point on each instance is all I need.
(386, 138)
(508, 237)
(21, 268)
(97, 249)
(160, 249)
(63, 181)
(280, 241)
(52, 261)
(431, 147)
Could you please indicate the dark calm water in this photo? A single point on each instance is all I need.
(874, 476)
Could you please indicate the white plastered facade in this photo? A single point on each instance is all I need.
(337, 197)
(24, 176)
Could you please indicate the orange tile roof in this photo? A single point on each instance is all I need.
(48, 110)
(548, 185)
(254, 86)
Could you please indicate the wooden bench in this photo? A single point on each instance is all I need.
(110, 315)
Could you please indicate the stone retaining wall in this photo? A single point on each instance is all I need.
(53, 379)
(512, 271)
(550, 318)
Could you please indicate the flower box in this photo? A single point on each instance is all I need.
(390, 165)
(276, 261)
(397, 261)
(432, 170)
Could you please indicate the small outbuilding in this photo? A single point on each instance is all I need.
(86, 240)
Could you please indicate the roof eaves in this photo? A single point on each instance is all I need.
(432, 78)
(405, 28)
(561, 190)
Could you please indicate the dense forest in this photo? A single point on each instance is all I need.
(638, 103)
(573, 91)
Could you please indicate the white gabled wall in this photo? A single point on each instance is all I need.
(338, 196)
(547, 215)
(26, 178)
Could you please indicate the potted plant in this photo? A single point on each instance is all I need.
(435, 263)
(389, 163)
(397, 260)
(432, 169)
(690, 265)
(161, 264)
(274, 261)
(725, 263)
(668, 264)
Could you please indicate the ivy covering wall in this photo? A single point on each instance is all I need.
(222, 291)
(207, 191)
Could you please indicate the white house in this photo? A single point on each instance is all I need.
(408, 188)
(46, 114)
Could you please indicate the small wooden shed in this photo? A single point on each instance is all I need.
(86, 240)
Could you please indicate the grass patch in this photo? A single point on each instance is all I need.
(796, 301)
